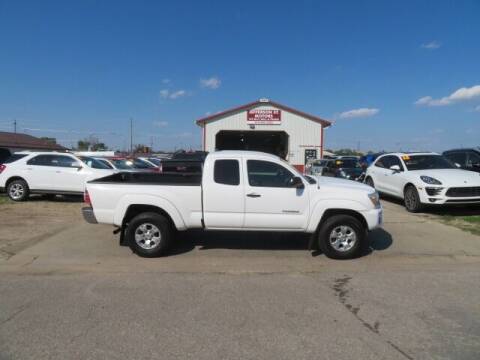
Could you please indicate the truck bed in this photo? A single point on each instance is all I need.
(178, 194)
(148, 178)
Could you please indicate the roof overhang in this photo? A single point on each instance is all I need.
(263, 102)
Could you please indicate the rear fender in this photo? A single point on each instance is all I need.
(149, 200)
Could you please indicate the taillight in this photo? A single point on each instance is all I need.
(86, 198)
(2, 167)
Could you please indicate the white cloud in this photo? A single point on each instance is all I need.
(461, 94)
(432, 45)
(160, 124)
(166, 81)
(211, 83)
(359, 113)
(167, 94)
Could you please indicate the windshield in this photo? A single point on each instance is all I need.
(319, 163)
(141, 164)
(348, 163)
(93, 163)
(156, 161)
(122, 164)
(424, 162)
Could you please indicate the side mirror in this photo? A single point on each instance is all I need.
(296, 182)
(395, 168)
(77, 166)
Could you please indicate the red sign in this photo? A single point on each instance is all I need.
(264, 117)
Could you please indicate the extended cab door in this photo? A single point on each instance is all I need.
(223, 194)
(271, 203)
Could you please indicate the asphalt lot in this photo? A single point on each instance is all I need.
(68, 290)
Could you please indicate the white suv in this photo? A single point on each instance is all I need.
(422, 179)
(47, 173)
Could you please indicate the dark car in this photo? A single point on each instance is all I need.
(468, 159)
(344, 168)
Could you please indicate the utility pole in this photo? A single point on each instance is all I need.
(15, 126)
(151, 143)
(131, 136)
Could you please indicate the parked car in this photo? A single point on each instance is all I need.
(238, 190)
(184, 162)
(46, 173)
(131, 164)
(467, 159)
(152, 161)
(422, 179)
(315, 167)
(106, 162)
(344, 168)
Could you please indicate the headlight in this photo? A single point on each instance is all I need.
(375, 199)
(430, 180)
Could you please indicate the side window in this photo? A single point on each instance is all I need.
(379, 163)
(64, 161)
(457, 157)
(41, 160)
(226, 172)
(396, 161)
(268, 174)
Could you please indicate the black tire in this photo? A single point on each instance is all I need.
(369, 182)
(160, 234)
(18, 190)
(412, 200)
(352, 225)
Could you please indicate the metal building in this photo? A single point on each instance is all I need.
(266, 126)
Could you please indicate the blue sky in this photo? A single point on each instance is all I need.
(71, 69)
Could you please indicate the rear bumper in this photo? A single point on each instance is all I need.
(89, 216)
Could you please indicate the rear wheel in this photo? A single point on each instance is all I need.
(412, 199)
(342, 237)
(149, 234)
(18, 190)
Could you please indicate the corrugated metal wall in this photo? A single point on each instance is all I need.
(303, 133)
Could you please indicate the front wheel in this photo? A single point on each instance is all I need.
(342, 237)
(412, 200)
(149, 234)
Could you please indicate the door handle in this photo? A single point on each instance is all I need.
(253, 195)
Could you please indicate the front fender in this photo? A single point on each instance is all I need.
(150, 200)
(319, 209)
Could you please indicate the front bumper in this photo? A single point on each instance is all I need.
(374, 218)
(439, 197)
(88, 215)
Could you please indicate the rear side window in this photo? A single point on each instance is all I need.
(14, 158)
(41, 160)
(226, 172)
(379, 163)
(53, 160)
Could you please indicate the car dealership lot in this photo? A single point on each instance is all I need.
(69, 290)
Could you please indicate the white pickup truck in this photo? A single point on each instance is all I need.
(237, 190)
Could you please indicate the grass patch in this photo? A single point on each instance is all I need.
(4, 200)
(470, 223)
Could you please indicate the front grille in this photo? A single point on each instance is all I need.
(433, 191)
(464, 191)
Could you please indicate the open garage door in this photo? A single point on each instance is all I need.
(272, 142)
